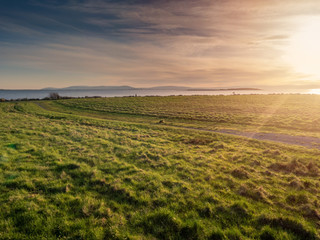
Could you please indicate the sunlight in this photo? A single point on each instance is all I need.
(303, 51)
(314, 91)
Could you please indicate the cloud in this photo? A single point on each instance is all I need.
(136, 64)
(202, 43)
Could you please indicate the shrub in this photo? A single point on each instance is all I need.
(54, 96)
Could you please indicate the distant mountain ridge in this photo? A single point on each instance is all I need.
(168, 88)
(222, 89)
(92, 88)
(177, 88)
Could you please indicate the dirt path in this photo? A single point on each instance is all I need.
(309, 142)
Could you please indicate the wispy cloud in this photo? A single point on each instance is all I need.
(143, 43)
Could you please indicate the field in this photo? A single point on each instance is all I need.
(293, 114)
(140, 168)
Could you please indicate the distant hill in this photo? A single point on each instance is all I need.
(116, 88)
(176, 88)
(92, 88)
(222, 89)
(169, 88)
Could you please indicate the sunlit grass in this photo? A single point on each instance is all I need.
(291, 114)
(74, 177)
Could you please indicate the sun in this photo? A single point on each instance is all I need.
(303, 50)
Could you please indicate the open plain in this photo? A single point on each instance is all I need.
(180, 167)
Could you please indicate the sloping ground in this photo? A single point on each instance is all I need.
(73, 177)
(290, 114)
(305, 141)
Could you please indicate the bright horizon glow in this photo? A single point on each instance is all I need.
(303, 52)
(314, 91)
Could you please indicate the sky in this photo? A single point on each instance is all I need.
(195, 43)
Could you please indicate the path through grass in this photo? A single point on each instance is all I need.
(74, 177)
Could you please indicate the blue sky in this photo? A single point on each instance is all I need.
(203, 43)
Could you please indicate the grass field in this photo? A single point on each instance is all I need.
(106, 169)
(293, 114)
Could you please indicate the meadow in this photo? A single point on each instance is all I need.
(284, 113)
(129, 168)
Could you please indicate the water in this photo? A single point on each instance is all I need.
(20, 94)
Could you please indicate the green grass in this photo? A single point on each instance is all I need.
(79, 176)
(293, 114)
